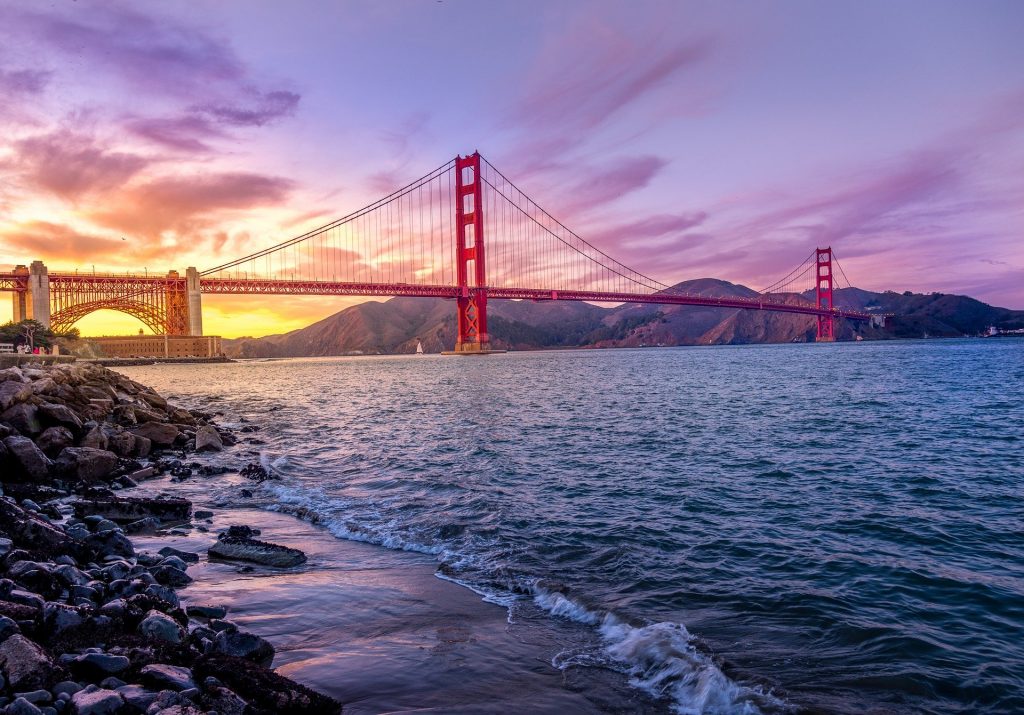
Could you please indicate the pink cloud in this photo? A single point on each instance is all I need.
(70, 165)
(177, 202)
(23, 82)
(46, 240)
(184, 133)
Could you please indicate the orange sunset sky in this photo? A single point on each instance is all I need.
(683, 140)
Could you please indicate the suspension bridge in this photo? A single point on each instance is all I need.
(463, 232)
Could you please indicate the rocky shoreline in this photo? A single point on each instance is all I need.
(89, 625)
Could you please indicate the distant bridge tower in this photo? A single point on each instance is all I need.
(470, 268)
(823, 295)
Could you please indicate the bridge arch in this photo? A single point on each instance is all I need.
(151, 316)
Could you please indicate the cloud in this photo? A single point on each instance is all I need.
(598, 186)
(71, 165)
(262, 109)
(187, 133)
(148, 52)
(50, 241)
(23, 82)
(178, 202)
(643, 232)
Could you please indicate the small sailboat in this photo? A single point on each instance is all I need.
(419, 347)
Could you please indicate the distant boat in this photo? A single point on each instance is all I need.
(419, 348)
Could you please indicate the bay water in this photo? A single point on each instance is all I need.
(737, 529)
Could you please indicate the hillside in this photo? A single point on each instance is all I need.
(394, 326)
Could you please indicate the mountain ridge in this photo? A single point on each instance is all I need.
(396, 326)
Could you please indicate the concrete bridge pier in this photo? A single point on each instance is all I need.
(19, 307)
(38, 297)
(195, 301)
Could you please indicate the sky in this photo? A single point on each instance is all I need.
(686, 139)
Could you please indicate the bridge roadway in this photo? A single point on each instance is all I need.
(256, 286)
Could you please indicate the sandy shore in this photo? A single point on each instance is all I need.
(372, 627)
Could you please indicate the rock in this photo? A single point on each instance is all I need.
(29, 462)
(161, 627)
(198, 611)
(240, 644)
(68, 687)
(110, 543)
(105, 525)
(127, 509)
(60, 415)
(187, 556)
(96, 701)
(30, 531)
(261, 552)
(8, 628)
(25, 665)
(94, 438)
(53, 440)
(145, 473)
(264, 689)
(207, 439)
(143, 526)
(36, 696)
(59, 617)
(72, 576)
(161, 434)
(85, 463)
(23, 417)
(21, 706)
(137, 697)
(13, 392)
(203, 514)
(163, 593)
(101, 663)
(172, 560)
(167, 676)
(171, 576)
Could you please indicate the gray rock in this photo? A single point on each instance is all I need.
(171, 576)
(13, 392)
(261, 552)
(208, 440)
(198, 611)
(164, 593)
(67, 687)
(137, 696)
(104, 662)
(28, 460)
(29, 505)
(168, 676)
(241, 644)
(54, 440)
(60, 415)
(94, 438)
(143, 526)
(24, 664)
(110, 543)
(159, 433)
(187, 556)
(202, 514)
(96, 702)
(72, 576)
(21, 706)
(7, 629)
(36, 696)
(161, 627)
(114, 608)
(23, 417)
(106, 525)
(174, 562)
(6, 544)
(59, 617)
(85, 463)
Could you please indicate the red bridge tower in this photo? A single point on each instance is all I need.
(471, 272)
(823, 295)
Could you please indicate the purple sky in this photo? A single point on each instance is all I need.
(720, 139)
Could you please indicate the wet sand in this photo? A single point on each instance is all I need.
(374, 627)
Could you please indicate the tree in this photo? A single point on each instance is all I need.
(32, 333)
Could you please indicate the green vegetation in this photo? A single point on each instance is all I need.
(33, 333)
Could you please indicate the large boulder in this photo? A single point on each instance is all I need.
(247, 549)
(111, 542)
(160, 434)
(207, 439)
(13, 392)
(53, 440)
(60, 415)
(241, 644)
(97, 701)
(25, 665)
(161, 627)
(128, 509)
(85, 463)
(164, 676)
(264, 689)
(23, 417)
(27, 460)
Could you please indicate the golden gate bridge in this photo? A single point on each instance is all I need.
(463, 232)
